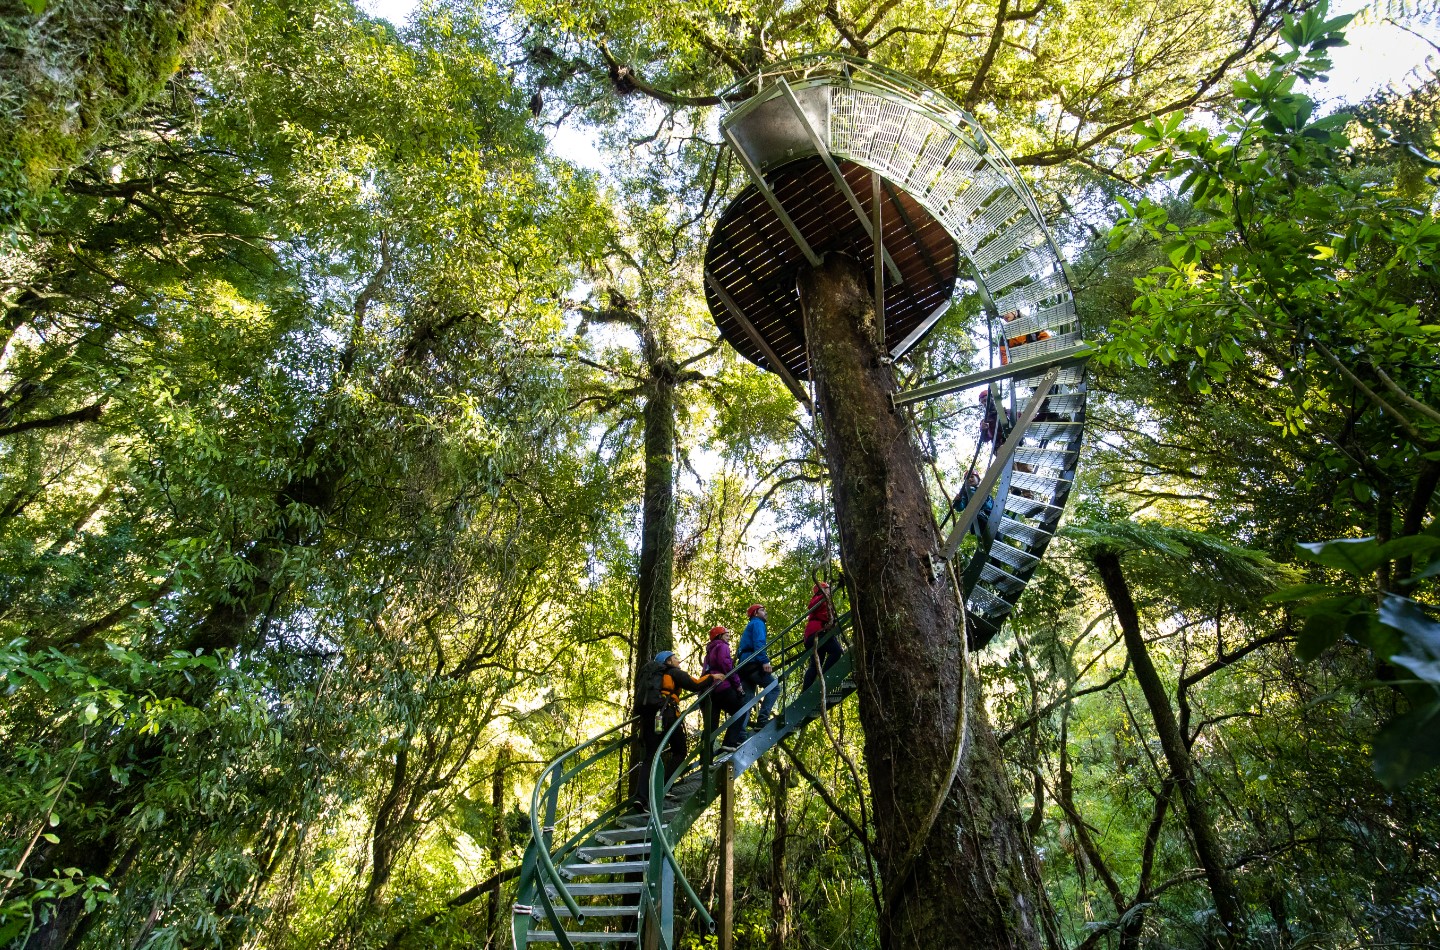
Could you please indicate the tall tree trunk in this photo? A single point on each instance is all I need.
(780, 900)
(657, 526)
(657, 535)
(973, 881)
(1167, 728)
(499, 844)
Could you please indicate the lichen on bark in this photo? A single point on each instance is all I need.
(977, 887)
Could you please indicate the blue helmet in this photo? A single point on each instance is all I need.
(664, 655)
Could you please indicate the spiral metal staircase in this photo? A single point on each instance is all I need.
(842, 157)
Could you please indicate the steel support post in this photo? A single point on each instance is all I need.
(775, 362)
(758, 180)
(878, 233)
(1059, 359)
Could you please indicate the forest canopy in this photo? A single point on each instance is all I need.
(357, 450)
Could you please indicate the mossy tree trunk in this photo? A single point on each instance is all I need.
(1172, 742)
(973, 881)
(657, 524)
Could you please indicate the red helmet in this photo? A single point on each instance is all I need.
(984, 396)
(754, 609)
(717, 632)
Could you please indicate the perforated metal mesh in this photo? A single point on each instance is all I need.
(951, 196)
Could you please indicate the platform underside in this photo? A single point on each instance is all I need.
(755, 260)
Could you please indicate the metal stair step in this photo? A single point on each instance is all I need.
(1017, 558)
(594, 910)
(1060, 459)
(1068, 377)
(583, 936)
(1031, 507)
(590, 869)
(991, 574)
(642, 820)
(598, 890)
(985, 602)
(1050, 431)
(1063, 341)
(593, 852)
(1029, 535)
(1062, 403)
(615, 835)
(1038, 481)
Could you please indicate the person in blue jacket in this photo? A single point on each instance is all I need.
(967, 491)
(756, 673)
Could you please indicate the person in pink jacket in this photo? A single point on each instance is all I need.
(729, 694)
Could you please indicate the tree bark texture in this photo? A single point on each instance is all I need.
(974, 882)
(1172, 741)
(657, 536)
(499, 844)
(657, 526)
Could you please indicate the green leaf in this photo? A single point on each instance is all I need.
(1408, 746)
(1420, 653)
(1298, 592)
(1320, 633)
(1410, 546)
(1357, 556)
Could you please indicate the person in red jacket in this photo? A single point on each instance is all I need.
(815, 629)
(729, 693)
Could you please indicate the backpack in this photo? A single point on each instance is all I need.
(652, 681)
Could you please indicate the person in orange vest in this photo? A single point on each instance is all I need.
(661, 683)
(1020, 340)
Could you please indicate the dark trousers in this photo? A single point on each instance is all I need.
(755, 679)
(728, 703)
(829, 651)
(652, 732)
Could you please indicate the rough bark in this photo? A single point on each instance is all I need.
(499, 844)
(974, 882)
(1172, 742)
(657, 527)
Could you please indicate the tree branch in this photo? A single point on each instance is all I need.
(89, 414)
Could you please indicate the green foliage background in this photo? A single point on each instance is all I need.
(320, 488)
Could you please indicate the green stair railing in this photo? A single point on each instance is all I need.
(793, 659)
(540, 873)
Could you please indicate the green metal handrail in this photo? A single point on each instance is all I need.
(543, 872)
(546, 869)
(659, 787)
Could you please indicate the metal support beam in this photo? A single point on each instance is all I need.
(905, 345)
(775, 362)
(998, 465)
(1059, 359)
(758, 180)
(878, 233)
(823, 151)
